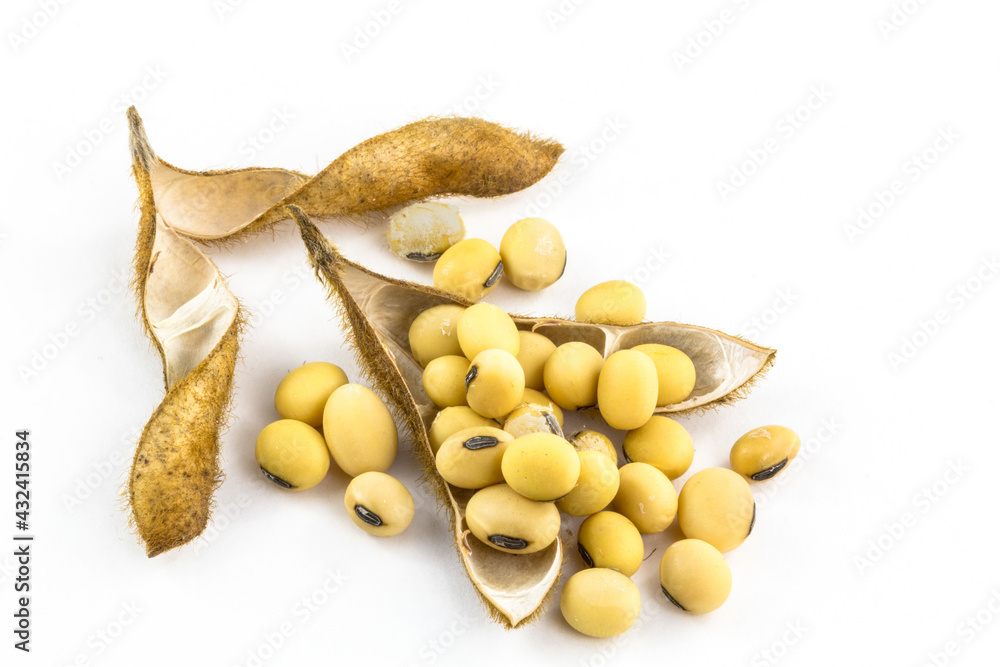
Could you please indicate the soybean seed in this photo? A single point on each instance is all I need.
(471, 458)
(535, 350)
(494, 384)
(595, 488)
(359, 430)
(379, 504)
(764, 452)
(626, 389)
(535, 397)
(507, 521)
(485, 327)
(645, 497)
(444, 380)
(470, 269)
(302, 394)
(530, 418)
(663, 443)
(608, 539)
(571, 374)
(674, 370)
(433, 333)
(533, 252)
(452, 420)
(292, 454)
(613, 302)
(600, 602)
(422, 232)
(716, 505)
(694, 576)
(586, 440)
(541, 466)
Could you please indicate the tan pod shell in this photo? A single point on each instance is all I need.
(377, 311)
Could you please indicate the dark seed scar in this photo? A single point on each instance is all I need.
(670, 597)
(508, 542)
(423, 257)
(768, 473)
(495, 276)
(470, 376)
(367, 515)
(585, 556)
(553, 423)
(753, 520)
(277, 480)
(481, 442)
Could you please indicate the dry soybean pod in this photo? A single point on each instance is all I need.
(377, 312)
(194, 322)
(428, 158)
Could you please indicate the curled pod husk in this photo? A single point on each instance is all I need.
(433, 157)
(194, 322)
(377, 313)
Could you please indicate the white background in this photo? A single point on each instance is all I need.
(871, 550)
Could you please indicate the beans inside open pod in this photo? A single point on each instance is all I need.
(377, 312)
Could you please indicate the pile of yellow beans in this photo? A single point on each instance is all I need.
(323, 415)
(501, 392)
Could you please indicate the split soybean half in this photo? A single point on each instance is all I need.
(422, 232)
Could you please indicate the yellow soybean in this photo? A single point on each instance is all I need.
(586, 440)
(509, 522)
(600, 602)
(541, 466)
(359, 430)
(613, 302)
(535, 350)
(608, 539)
(292, 454)
(494, 384)
(663, 443)
(433, 333)
(695, 576)
(764, 452)
(645, 497)
(379, 504)
(302, 394)
(674, 370)
(452, 420)
(471, 458)
(595, 488)
(626, 389)
(470, 269)
(716, 505)
(533, 252)
(571, 374)
(487, 327)
(444, 380)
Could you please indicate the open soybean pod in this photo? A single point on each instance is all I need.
(433, 157)
(377, 313)
(194, 322)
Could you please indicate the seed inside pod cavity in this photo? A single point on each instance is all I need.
(768, 473)
(495, 276)
(274, 478)
(508, 542)
(481, 442)
(423, 257)
(671, 598)
(367, 515)
(470, 376)
(584, 555)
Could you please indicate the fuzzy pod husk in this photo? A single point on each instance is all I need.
(433, 157)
